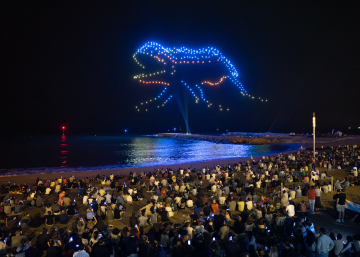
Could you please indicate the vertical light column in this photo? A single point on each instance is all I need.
(314, 125)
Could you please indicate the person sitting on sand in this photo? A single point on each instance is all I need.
(49, 219)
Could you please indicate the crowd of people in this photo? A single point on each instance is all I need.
(252, 209)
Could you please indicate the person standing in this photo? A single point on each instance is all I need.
(317, 198)
(324, 244)
(340, 206)
(311, 193)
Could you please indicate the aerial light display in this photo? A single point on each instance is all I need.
(170, 58)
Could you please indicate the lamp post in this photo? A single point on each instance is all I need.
(314, 125)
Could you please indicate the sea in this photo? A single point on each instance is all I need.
(63, 153)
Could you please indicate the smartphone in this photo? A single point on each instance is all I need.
(135, 225)
(269, 231)
(100, 236)
(266, 248)
(188, 242)
(81, 219)
(71, 239)
(213, 238)
(77, 245)
(5, 240)
(179, 235)
(56, 229)
(19, 223)
(231, 238)
(74, 200)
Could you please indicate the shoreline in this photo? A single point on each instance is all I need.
(81, 174)
(30, 178)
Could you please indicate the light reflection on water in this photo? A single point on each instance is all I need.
(38, 154)
(149, 151)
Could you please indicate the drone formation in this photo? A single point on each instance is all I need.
(170, 58)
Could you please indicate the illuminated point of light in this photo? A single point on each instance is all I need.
(220, 109)
(125, 130)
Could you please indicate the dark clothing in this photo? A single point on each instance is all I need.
(100, 250)
(117, 214)
(63, 218)
(36, 222)
(71, 210)
(133, 221)
(53, 251)
(164, 215)
(288, 252)
(131, 245)
(232, 249)
(144, 248)
(41, 241)
(100, 225)
(206, 211)
(342, 198)
(49, 219)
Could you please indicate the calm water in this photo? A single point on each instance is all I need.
(54, 153)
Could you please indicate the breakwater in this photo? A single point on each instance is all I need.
(257, 140)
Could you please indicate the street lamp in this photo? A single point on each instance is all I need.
(63, 128)
(314, 125)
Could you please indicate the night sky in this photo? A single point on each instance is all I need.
(71, 64)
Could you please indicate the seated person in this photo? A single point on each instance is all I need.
(49, 219)
(71, 209)
(63, 217)
(26, 219)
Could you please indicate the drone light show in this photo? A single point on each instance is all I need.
(163, 68)
(172, 57)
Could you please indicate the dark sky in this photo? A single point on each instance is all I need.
(71, 64)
